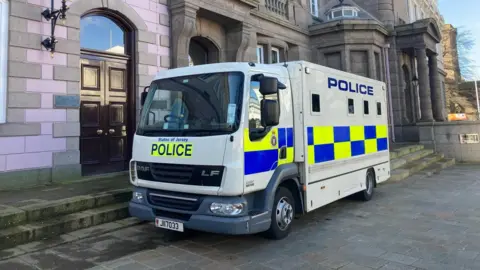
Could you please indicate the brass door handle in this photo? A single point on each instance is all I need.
(111, 131)
(99, 132)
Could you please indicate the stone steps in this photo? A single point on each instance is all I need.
(44, 221)
(407, 160)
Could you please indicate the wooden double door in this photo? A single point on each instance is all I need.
(105, 128)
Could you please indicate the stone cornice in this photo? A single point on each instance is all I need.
(343, 25)
(276, 20)
(251, 3)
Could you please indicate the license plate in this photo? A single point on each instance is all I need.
(169, 225)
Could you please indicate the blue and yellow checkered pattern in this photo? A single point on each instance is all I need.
(327, 143)
(262, 156)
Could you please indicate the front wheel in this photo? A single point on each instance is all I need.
(283, 212)
(367, 194)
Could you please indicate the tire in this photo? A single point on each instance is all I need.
(283, 213)
(367, 194)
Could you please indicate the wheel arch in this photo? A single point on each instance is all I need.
(286, 175)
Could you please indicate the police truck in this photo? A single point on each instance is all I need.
(244, 148)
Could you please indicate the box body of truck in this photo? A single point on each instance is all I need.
(217, 151)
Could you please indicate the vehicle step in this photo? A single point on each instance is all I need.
(42, 230)
(13, 216)
(400, 151)
(411, 168)
(438, 166)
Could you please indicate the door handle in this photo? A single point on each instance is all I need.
(283, 152)
(111, 131)
(99, 132)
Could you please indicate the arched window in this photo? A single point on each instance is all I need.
(100, 33)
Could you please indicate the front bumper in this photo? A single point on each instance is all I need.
(202, 219)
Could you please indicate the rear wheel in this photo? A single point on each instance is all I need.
(283, 213)
(367, 194)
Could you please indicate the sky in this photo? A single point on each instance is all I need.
(464, 13)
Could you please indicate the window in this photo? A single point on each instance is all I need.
(255, 127)
(347, 12)
(3, 59)
(315, 103)
(366, 109)
(260, 58)
(414, 17)
(314, 7)
(275, 55)
(379, 108)
(351, 106)
(378, 66)
(101, 34)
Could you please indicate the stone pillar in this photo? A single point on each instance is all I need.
(436, 90)
(238, 40)
(184, 16)
(424, 85)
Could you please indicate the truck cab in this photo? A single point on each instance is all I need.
(208, 142)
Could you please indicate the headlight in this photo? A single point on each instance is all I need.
(137, 197)
(228, 209)
(133, 172)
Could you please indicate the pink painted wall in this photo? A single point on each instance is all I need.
(29, 152)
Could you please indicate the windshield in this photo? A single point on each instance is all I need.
(193, 105)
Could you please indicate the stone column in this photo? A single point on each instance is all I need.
(184, 16)
(238, 40)
(424, 85)
(436, 90)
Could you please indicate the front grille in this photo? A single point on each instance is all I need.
(171, 173)
(195, 175)
(174, 200)
(172, 215)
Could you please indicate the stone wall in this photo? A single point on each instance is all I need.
(445, 138)
(40, 141)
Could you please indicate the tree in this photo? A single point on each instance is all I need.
(465, 44)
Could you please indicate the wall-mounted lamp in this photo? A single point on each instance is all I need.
(415, 81)
(54, 15)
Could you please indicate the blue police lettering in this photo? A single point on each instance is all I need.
(352, 87)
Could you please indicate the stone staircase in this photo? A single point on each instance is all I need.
(33, 223)
(407, 160)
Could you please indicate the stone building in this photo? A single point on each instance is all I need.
(460, 95)
(369, 38)
(74, 114)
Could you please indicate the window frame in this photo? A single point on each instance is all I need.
(314, 11)
(381, 110)
(367, 112)
(277, 50)
(348, 109)
(260, 54)
(4, 17)
(259, 136)
(312, 112)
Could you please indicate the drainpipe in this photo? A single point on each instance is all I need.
(389, 90)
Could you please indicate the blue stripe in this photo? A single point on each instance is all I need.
(341, 134)
(282, 137)
(382, 144)
(370, 132)
(324, 152)
(310, 135)
(290, 137)
(260, 161)
(358, 148)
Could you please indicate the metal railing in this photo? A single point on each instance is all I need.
(279, 7)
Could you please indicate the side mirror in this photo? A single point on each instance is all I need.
(270, 113)
(268, 86)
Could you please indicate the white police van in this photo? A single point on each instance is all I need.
(241, 148)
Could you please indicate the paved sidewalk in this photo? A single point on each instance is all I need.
(420, 223)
